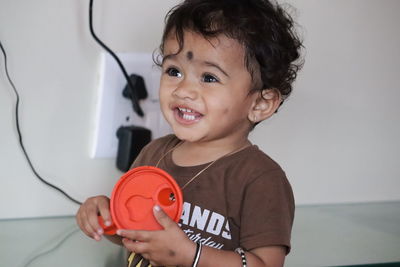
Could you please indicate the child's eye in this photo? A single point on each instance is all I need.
(173, 72)
(208, 78)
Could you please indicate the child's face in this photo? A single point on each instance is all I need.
(204, 90)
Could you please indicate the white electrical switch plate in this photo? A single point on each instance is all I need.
(113, 110)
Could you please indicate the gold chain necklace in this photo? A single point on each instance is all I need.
(206, 167)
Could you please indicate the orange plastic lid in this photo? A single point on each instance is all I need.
(136, 193)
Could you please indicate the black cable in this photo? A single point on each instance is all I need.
(20, 135)
(135, 100)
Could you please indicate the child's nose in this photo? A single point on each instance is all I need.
(186, 89)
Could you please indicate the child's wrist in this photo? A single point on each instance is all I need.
(189, 254)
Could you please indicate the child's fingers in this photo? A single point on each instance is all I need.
(91, 218)
(144, 236)
(86, 227)
(87, 216)
(93, 232)
(81, 220)
(104, 209)
(162, 218)
(136, 247)
(94, 227)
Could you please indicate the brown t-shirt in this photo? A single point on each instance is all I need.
(242, 200)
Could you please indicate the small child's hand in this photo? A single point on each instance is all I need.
(167, 247)
(87, 216)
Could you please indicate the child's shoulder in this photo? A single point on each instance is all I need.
(255, 159)
(253, 164)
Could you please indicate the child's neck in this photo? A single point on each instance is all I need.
(197, 153)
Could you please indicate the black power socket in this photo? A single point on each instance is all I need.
(131, 141)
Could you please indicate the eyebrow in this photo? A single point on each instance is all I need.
(212, 64)
(169, 56)
(207, 63)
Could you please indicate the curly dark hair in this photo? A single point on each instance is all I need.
(265, 30)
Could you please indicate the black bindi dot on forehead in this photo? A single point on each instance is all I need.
(189, 55)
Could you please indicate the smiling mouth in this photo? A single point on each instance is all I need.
(187, 115)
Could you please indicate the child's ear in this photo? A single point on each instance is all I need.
(264, 105)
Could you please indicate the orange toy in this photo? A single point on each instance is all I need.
(136, 193)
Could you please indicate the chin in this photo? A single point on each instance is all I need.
(187, 135)
(184, 136)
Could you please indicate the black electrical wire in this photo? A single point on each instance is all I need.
(20, 135)
(135, 100)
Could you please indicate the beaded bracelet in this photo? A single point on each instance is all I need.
(197, 255)
(242, 255)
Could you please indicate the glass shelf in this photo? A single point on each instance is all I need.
(323, 235)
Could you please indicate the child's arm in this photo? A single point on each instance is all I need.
(171, 247)
(87, 218)
(260, 257)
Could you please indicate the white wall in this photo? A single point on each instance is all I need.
(54, 62)
(336, 136)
